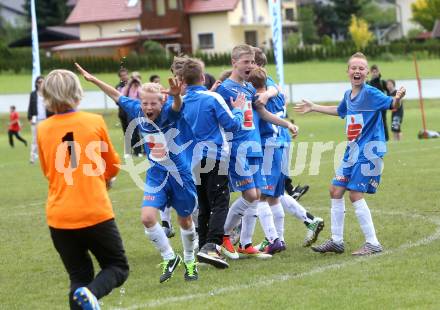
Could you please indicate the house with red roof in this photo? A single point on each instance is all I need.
(209, 25)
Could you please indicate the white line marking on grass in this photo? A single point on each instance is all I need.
(267, 281)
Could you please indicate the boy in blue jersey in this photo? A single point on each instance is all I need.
(211, 120)
(169, 179)
(313, 224)
(362, 164)
(246, 160)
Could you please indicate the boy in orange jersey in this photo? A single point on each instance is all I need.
(78, 159)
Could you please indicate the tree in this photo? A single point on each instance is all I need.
(359, 32)
(307, 24)
(378, 17)
(49, 12)
(326, 18)
(426, 12)
(344, 9)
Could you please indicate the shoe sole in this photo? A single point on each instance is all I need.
(258, 256)
(217, 263)
(318, 231)
(366, 254)
(319, 251)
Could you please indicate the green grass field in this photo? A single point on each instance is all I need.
(304, 72)
(405, 211)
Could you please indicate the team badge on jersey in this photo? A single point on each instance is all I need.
(355, 123)
(158, 146)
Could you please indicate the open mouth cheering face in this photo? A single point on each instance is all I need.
(151, 104)
(357, 71)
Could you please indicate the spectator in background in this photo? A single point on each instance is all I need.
(37, 112)
(396, 115)
(380, 84)
(132, 90)
(155, 79)
(14, 127)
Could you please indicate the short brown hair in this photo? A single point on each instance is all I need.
(258, 77)
(241, 50)
(192, 71)
(357, 55)
(260, 57)
(225, 75)
(177, 65)
(62, 91)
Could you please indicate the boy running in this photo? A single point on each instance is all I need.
(362, 164)
(169, 180)
(78, 158)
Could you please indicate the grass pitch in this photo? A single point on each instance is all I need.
(405, 211)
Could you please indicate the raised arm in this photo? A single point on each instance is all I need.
(307, 106)
(175, 90)
(397, 100)
(106, 88)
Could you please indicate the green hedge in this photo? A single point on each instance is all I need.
(20, 59)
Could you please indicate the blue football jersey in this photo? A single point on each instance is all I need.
(364, 122)
(249, 131)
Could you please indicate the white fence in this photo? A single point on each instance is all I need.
(318, 92)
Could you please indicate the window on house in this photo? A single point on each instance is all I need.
(250, 37)
(290, 15)
(160, 7)
(206, 40)
(172, 4)
(148, 5)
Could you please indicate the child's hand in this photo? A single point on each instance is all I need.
(400, 93)
(305, 107)
(87, 76)
(215, 85)
(262, 98)
(293, 130)
(175, 87)
(239, 102)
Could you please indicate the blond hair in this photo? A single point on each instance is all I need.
(358, 55)
(62, 91)
(241, 50)
(153, 88)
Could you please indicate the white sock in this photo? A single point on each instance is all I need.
(337, 219)
(160, 241)
(293, 207)
(278, 219)
(266, 220)
(165, 216)
(364, 217)
(248, 224)
(188, 238)
(235, 213)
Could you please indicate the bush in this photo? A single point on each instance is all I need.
(20, 59)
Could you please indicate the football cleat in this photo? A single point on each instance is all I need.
(330, 246)
(313, 230)
(210, 254)
(168, 267)
(251, 251)
(368, 249)
(191, 273)
(228, 249)
(85, 299)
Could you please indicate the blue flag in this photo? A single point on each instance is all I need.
(277, 38)
(36, 71)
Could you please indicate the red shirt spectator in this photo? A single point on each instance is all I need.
(14, 124)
